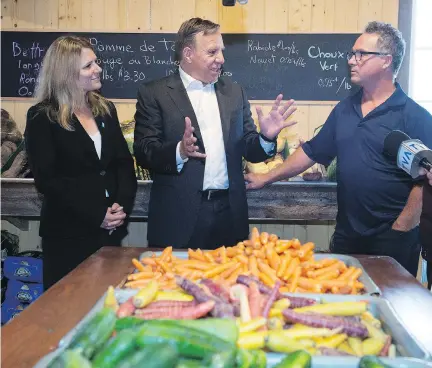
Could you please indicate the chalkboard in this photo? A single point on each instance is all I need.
(301, 66)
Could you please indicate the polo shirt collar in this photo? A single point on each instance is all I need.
(398, 98)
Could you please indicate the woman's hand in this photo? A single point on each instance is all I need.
(114, 217)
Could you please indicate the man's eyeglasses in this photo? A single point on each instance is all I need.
(359, 54)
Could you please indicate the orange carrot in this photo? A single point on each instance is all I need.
(305, 248)
(290, 270)
(264, 237)
(329, 275)
(140, 275)
(254, 300)
(294, 279)
(147, 261)
(253, 265)
(138, 265)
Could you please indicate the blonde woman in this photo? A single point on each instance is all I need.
(79, 158)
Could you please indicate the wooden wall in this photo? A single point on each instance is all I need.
(277, 16)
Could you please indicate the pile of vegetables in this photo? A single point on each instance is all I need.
(265, 317)
(264, 256)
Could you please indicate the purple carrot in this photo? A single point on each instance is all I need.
(217, 290)
(271, 299)
(166, 303)
(354, 329)
(220, 310)
(296, 302)
(332, 352)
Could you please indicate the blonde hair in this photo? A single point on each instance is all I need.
(58, 85)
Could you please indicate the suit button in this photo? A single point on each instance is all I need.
(102, 173)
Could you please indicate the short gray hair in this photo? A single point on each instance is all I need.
(187, 32)
(390, 42)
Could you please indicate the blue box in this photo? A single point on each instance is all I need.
(10, 309)
(23, 292)
(27, 269)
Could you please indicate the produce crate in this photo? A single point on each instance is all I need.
(410, 353)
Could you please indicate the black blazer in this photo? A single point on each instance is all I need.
(72, 178)
(175, 197)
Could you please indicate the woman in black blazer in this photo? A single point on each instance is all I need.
(79, 158)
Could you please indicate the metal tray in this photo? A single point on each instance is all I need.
(370, 286)
(406, 344)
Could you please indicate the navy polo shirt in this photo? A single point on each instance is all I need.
(372, 191)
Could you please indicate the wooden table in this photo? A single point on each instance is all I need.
(38, 329)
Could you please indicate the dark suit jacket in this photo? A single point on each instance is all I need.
(175, 197)
(72, 178)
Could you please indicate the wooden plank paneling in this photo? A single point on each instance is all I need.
(70, 14)
(390, 11)
(300, 16)
(207, 9)
(346, 16)
(253, 15)
(323, 16)
(231, 19)
(276, 16)
(93, 14)
(369, 10)
(8, 10)
(138, 15)
(46, 14)
(25, 11)
(112, 15)
(167, 17)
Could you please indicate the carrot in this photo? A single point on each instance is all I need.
(315, 274)
(355, 275)
(218, 270)
(329, 275)
(242, 259)
(271, 299)
(169, 303)
(305, 248)
(190, 312)
(259, 253)
(283, 245)
(140, 275)
(267, 270)
(294, 279)
(231, 252)
(349, 327)
(265, 279)
(254, 234)
(147, 261)
(291, 267)
(273, 238)
(230, 270)
(126, 309)
(347, 273)
(166, 253)
(286, 258)
(138, 265)
(254, 300)
(264, 237)
(296, 244)
(253, 265)
(223, 255)
(209, 257)
(195, 255)
(306, 283)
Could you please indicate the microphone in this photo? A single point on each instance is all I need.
(410, 154)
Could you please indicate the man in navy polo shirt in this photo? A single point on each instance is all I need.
(379, 205)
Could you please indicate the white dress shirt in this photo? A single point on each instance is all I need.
(204, 102)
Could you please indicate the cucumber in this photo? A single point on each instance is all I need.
(224, 359)
(371, 361)
(297, 359)
(128, 322)
(224, 328)
(260, 359)
(95, 333)
(190, 363)
(116, 349)
(70, 359)
(155, 356)
(190, 342)
(244, 358)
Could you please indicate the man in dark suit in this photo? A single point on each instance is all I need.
(192, 130)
